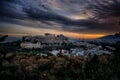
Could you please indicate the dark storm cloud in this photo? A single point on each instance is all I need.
(107, 12)
(109, 8)
(47, 11)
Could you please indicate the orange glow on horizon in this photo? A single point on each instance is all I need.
(40, 31)
(68, 34)
(84, 36)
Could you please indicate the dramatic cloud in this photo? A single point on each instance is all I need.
(80, 16)
(106, 11)
(107, 7)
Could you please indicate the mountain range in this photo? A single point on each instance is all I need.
(110, 38)
(115, 36)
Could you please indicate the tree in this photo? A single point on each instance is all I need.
(4, 53)
(3, 38)
(116, 61)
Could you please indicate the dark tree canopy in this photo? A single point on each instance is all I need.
(2, 38)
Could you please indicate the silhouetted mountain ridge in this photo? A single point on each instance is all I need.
(115, 36)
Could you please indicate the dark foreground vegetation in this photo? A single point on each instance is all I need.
(27, 66)
(30, 67)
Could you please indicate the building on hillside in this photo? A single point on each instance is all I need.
(48, 40)
(30, 45)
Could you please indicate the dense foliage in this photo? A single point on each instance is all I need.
(30, 67)
(27, 66)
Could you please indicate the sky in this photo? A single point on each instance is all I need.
(73, 18)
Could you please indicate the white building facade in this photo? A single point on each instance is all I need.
(30, 45)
